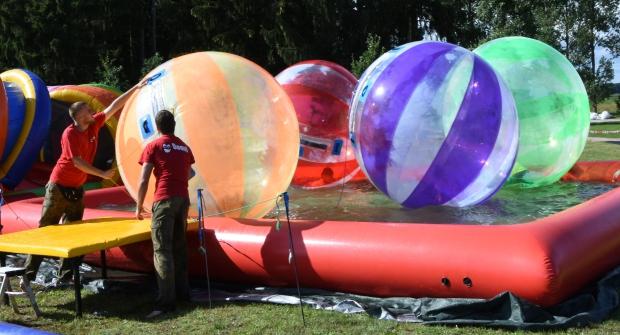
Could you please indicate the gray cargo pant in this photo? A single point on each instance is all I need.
(168, 228)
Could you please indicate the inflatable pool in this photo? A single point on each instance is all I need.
(601, 172)
(544, 261)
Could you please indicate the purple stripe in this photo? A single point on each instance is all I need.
(382, 113)
(469, 142)
(514, 159)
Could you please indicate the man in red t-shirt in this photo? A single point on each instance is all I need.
(63, 192)
(170, 160)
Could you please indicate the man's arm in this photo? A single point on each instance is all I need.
(88, 168)
(117, 104)
(190, 173)
(147, 168)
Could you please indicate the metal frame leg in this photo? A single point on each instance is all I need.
(9, 289)
(33, 301)
(5, 297)
(77, 288)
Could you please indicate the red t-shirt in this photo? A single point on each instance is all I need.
(171, 159)
(76, 143)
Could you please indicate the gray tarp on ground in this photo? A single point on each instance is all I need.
(592, 305)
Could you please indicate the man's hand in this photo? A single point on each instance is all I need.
(144, 82)
(118, 104)
(139, 211)
(108, 174)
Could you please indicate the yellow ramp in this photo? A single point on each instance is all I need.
(76, 239)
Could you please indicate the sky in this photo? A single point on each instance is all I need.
(603, 52)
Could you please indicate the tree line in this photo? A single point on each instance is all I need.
(117, 41)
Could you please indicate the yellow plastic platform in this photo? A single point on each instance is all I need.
(77, 239)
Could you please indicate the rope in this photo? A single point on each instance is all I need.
(19, 218)
(242, 207)
(202, 237)
(278, 223)
(203, 242)
(292, 259)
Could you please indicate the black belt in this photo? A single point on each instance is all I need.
(71, 193)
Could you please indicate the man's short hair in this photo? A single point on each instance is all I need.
(165, 122)
(76, 107)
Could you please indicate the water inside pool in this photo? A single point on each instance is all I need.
(362, 202)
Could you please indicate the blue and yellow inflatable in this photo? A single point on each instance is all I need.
(27, 119)
(15, 117)
(4, 118)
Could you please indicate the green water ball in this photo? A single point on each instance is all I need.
(552, 104)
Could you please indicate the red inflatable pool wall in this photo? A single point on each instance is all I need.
(544, 261)
(602, 172)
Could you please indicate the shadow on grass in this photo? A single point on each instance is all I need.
(615, 315)
(126, 300)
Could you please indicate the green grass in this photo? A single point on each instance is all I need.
(609, 104)
(123, 311)
(596, 130)
(600, 151)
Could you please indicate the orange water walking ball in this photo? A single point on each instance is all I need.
(238, 121)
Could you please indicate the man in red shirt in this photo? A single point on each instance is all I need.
(170, 160)
(63, 192)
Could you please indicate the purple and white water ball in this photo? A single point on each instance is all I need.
(433, 124)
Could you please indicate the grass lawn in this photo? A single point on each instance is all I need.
(600, 151)
(609, 104)
(598, 130)
(123, 311)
